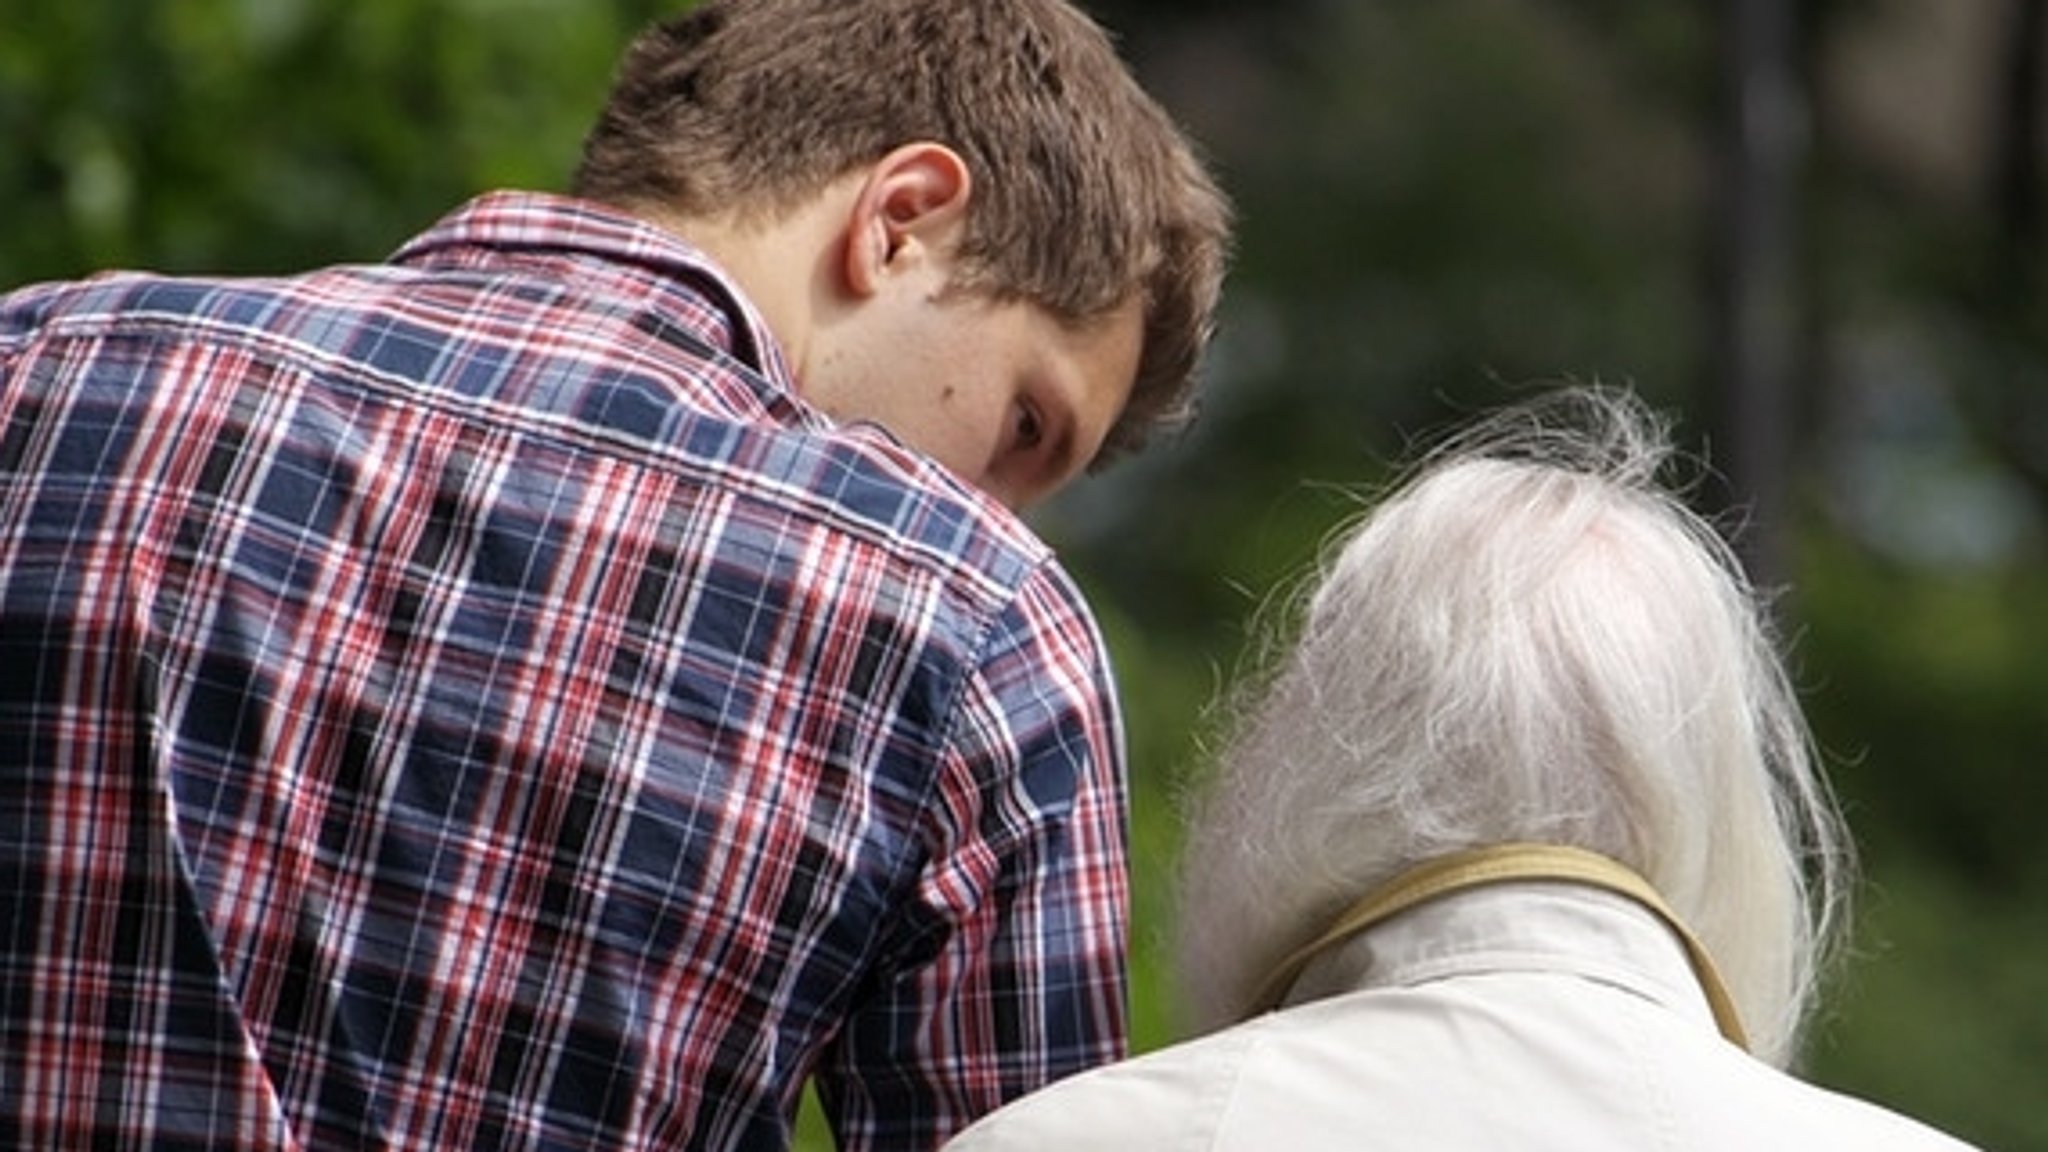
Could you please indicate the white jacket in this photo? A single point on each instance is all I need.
(1528, 1017)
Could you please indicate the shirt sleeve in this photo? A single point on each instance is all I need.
(1006, 971)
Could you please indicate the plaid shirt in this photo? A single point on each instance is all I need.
(471, 701)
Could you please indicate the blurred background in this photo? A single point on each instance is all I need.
(1810, 230)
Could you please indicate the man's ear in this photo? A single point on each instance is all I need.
(911, 206)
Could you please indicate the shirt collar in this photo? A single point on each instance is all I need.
(626, 256)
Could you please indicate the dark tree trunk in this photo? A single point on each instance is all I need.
(2012, 407)
(2016, 159)
(1756, 272)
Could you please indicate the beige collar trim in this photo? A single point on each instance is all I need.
(1495, 865)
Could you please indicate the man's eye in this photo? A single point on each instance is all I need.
(1030, 430)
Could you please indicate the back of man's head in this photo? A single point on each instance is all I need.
(1086, 193)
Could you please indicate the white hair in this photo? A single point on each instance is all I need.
(1532, 639)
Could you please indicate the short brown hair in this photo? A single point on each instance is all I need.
(1086, 192)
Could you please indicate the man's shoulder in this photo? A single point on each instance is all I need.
(96, 298)
(197, 307)
(859, 482)
(544, 361)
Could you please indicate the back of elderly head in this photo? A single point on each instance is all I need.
(1531, 640)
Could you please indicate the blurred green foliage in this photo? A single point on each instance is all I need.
(1441, 203)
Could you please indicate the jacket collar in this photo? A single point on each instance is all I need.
(1515, 927)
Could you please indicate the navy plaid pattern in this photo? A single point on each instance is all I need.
(471, 702)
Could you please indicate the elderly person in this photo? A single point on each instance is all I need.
(1520, 844)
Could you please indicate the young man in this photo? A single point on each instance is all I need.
(573, 684)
